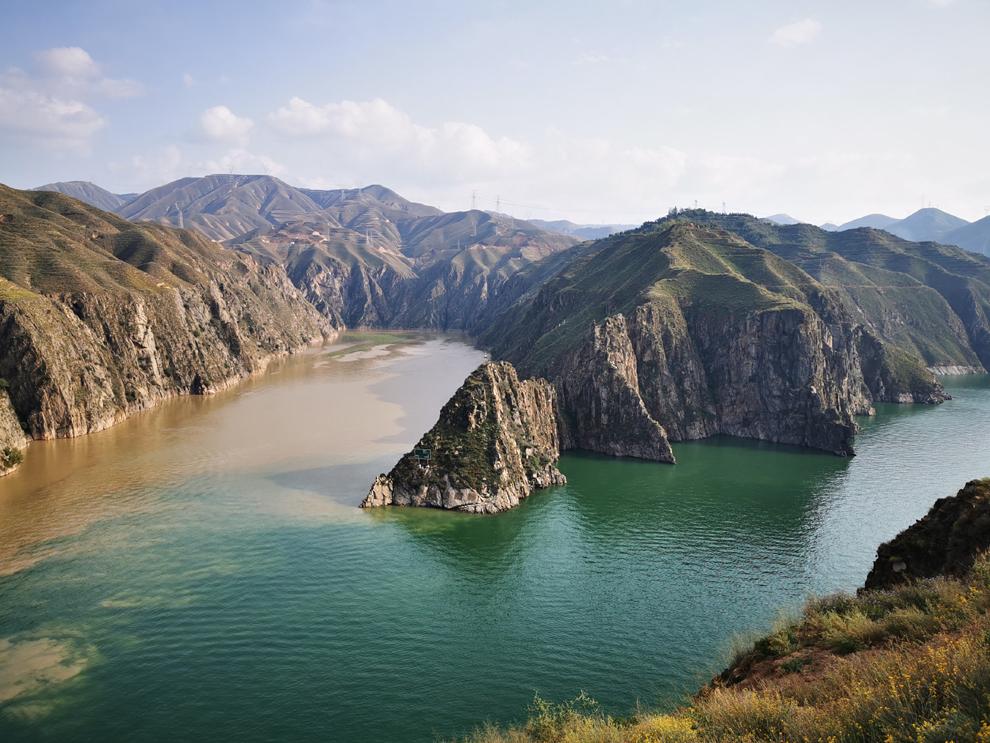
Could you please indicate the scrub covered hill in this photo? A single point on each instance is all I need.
(925, 299)
(680, 330)
(100, 317)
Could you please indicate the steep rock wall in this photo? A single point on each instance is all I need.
(495, 442)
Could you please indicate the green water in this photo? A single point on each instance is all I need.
(202, 572)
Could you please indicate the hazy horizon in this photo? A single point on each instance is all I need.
(823, 111)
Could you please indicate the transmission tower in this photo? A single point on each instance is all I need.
(474, 200)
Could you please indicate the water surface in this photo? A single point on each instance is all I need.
(202, 572)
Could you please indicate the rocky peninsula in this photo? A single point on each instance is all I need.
(495, 442)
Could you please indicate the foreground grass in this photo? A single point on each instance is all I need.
(911, 664)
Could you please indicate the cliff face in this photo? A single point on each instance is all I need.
(496, 440)
(99, 318)
(946, 541)
(12, 439)
(683, 333)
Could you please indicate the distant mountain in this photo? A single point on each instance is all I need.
(221, 206)
(829, 227)
(876, 221)
(362, 256)
(381, 198)
(926, 225)
(782, 219)
(362, 268)
(580, 231)
(975, 236)
(89, 193)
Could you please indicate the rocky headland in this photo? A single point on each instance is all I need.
(945, 541)
(494, 443)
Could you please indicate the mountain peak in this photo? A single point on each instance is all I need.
(88, 193)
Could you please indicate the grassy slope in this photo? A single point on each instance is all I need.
(690, 265)
(52, 244)
(919, 296)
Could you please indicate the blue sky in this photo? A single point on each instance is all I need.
(591, 111)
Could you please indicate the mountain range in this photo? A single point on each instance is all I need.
(580, 231)
(925, 225)
(693, 325)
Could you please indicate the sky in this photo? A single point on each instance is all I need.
(591, 111)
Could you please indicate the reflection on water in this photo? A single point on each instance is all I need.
(202, 571)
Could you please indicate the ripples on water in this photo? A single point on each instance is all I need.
(202, 572)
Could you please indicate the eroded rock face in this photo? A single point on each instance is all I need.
(677, 332)
(945, 541)
(79, 363)
(780, 374)
(12, 439)
(495, 442)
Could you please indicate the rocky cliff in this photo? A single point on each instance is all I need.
(946, 541)
(928, 301)
(495, 442)
(12, 439)
(679, 331)
(100, 318)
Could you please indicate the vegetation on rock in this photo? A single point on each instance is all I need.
(495, 441)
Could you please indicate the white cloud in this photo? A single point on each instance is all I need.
(69, 61)
(241, 161)
(161, 166)
(71, 68)
(188, 80)
(54, 107)
(591, 58)
(376, 130)
(37, 115)
(221, 124)
(797, 33)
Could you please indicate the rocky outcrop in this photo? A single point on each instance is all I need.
(602, 408)
(78, 363)
(781, 376)
(12, 439)
(945, 541)
(495, 442)
(891, 375)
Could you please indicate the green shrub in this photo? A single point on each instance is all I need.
(4, 384)
(847, 633)
(10, 457)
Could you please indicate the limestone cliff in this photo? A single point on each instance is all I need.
(100, 318)
(945, 541)
(496, 440)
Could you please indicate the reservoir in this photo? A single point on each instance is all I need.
(202, 571)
